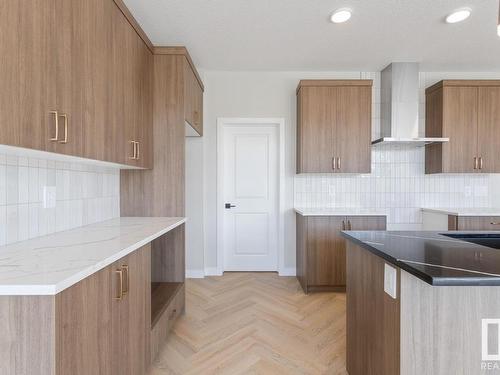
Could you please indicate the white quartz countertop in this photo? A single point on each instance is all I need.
(465, 211)
(338, 212)
(48, 265)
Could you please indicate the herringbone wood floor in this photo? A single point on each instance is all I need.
(255, 323)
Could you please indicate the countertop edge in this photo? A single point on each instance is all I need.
(53, 289)
(461, 212)
(470, 281)
(321, 212)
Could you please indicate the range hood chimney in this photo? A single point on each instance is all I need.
(399, 99)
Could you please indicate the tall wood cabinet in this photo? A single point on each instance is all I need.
(334, 126)
(76, 80)
(467, 112)
(321, 249)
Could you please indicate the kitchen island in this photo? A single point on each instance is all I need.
(416, 303)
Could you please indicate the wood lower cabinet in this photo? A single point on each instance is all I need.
(486, 223)
(334, 126)
(108, 315)
(467, 112)
(321, 250)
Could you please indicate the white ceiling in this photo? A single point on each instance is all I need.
(297, 34)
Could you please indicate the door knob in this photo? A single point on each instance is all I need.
(229, 205)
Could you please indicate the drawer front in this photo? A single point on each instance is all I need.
(489, 223)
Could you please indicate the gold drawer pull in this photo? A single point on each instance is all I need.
(475, 163)
(126, 277)
(480, 162)
(138, 156)
(65, 140)
(339, 166)
(56, 118)
(119, 272)
(349, 226)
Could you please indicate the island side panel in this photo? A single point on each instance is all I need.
(372, 316)
(441, 326)
(27, 335)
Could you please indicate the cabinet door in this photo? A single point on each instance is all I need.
(366, 223)
(193, 99)
(144, 124)
(487, 223)
(84, 326)
(27, 72)
(352, 136)
(489, 129)
(132, 314)
(325, 251)
(315, 129)
(460, 125)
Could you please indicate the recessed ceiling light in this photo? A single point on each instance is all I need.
(341, 15)
(458, 15)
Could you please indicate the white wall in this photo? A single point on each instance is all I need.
(85, 194)
(272, 94)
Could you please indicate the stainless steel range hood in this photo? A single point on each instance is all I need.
(399, 99)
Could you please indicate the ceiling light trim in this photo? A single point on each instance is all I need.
(458, 15)
(341, 15)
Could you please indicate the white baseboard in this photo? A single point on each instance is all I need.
(287, 272)
(195, 274)
(212, 271)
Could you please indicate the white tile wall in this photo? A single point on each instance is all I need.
(85, 194)
(397, 183)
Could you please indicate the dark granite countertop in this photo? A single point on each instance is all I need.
(434, 257)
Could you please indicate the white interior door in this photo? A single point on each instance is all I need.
(250, 197)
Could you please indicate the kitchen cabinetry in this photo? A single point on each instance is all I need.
(69, 69)
(468, 112)
(321, 250)
(334, 126)
(193, 98)
(108, 315)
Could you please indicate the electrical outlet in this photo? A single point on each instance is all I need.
(49, 196)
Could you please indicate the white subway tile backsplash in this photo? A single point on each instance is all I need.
(84, 195)
(397, 183)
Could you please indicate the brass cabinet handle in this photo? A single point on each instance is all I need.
(480, 162)
(134, 151)
(343, 224)
(349, 226)
(119, 272)
(334, 163)
(138, 155)
(475, 162)
(65, 140)
(338, 163)
(56, 118)
(126, 277)
(494, 223)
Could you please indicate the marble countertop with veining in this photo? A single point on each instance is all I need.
(307, 211)
(48, 265)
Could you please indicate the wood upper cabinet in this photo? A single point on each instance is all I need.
(321, 249)
(76, 79)
(334, 126)
(468, 113)
(27, 72)
(103, 322)
(193, 98)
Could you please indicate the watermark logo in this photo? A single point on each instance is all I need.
(490, 344)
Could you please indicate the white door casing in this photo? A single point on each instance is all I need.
(249, 177)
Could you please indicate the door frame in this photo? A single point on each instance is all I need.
(279, 123)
